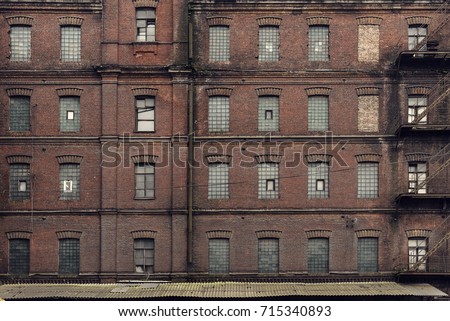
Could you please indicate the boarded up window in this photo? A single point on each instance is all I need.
(368, 43)
(368, 113)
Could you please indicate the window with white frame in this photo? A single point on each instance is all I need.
(20, 43)
(219, 43)
(416, 34)
(145, 180)
(69, 114)
(268, 113)
(318, 180)
(417, 174)
(417, 248)
(69, 181)
(218, 181)
(69, 256)
(318, 255)
(318, 113)
(269, 43)
(146, 24)
(416, 105)
(268, 180)
(19, 113)
(19, 181)
(268, 255)
(70, 43)
(367, 180)
(19, 257)
(367, 254)
(318, 43)
(219, 113)
(144, 255)
(145, 114)
(218, 255)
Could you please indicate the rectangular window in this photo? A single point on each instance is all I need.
(145, 180)
(269, 43)
(145, 114)
(417, 105)
(19, 257)
(146, 25)
(367, 254)
(416, 34)
(70, 43)
(219, 113)
(69, 114)
(417, 174)
(218, 256)
(69, 256)
(267, 180)
(19, 182)
(19, 114)
(318, 43)
(317, 113)
(318, 255)
(219, 43)
(268, 113)
(20, 43)
(69, 181)
(318, 180)
(268, 255)
(218, 181)
(367, 180)
(144, 255)
(417, 248)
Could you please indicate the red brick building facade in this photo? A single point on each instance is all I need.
(224, 139)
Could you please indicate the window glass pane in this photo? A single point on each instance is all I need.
(145, 24)
(416, 105)
(19, 181)
(20, 43)
(417, 174)
(267, 177)
(367, 254)
(19, 256)
(218, 181)
(219, 43)
(417, 248)
(268, 256)
(145, 114)
(318, 46)
(367, 180)
(218, 256)
(145, 180)
(69, 173)
(269, 43)
(416, 34)
(69, 114)
(69, 256)
(70, 43)
(317, 113)
(318, 255)
(218, 114)
(144, 254)
(19, 113)
(268, 113)
(317, 172)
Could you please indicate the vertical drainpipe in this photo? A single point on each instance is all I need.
(190, 148)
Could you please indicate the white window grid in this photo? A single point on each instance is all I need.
(318, 43)
(416, 34)
(219, 114)
(218, 181)
(367, 254)
(318, 113)
(70, 43)
(20, 43)
(268, 255)
(268, 181)
(318, 255)
(69, 106)
(19, 175)
(318, 171)
(219, 43)
(218, 256)
(368, 180)
(146, 25)
(268, 113)
(417, 248)
(19, 114)
(269, 43)
(417, 173)
(417, 105)
(144, 255)
(69, 172)
(145, 114)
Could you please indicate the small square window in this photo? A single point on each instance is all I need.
(70, 115)
(22, 186)
(269, 114)
(68, 186)
(320, 185)
(270, 185)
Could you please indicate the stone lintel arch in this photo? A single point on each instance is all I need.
(144, 234)
(218, 234)
(268, 234)
(18, 235)
(68, 235)
(318, 234)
